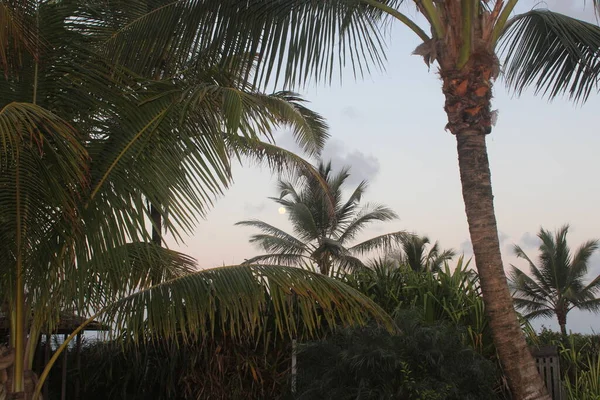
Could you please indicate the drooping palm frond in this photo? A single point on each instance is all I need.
(552, 52)
(89, 285)
(522, 283)
(43, 172)
(293, 40)
(235, 299)
(280, 243)
(385, 243)
(272, 231)
(368, 213)
(18, 37)
(287, 259)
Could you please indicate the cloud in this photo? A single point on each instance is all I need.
(250, 208)
(529, 241)
(362, 166)
(350, 112)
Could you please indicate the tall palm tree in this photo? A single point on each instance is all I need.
(415, 254)
(557, 285)
(297, 40)
(324, 224)
(86, 142)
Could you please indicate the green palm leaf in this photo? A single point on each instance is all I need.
(274, 36)
(552, 52)
(235, 299)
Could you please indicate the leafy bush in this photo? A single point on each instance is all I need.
(582, 378)
(424, 361)
(449, 295)
(211, 369)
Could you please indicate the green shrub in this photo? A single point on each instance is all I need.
(211, 369)
(424, 361)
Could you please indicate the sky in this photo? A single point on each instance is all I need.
(389, 128)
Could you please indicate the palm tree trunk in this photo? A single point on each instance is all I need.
(562, 322)
(468, 105)
(517, 362)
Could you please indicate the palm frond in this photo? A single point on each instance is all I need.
(43, 173)
(347, 210)
(580, 262)
(18, 36)
(542, 313)
(539, 275)
(287, 259)
(272, 243)
(375, 213)
(318, 34)
(554, 53)
(235, 298)
(278, 159)
(525, 287)
(383, 242)
(592, 305)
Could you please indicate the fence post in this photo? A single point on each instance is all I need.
(548, 366)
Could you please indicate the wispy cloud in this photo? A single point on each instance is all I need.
(362, 166)
(529, 241)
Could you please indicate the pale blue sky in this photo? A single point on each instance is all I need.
(389, 128)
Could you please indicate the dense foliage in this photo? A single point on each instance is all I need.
(214, 368)
(423, 361)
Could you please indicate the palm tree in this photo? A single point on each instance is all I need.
(557, 285)
(86, 143)
(324, 224)
(414, 253)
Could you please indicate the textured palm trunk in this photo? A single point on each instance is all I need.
(562, 322)
(468, 95)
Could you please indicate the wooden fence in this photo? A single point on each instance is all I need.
(548, 365)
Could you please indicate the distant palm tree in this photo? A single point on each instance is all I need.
(324, 224)
(414, 253)
(557, 285)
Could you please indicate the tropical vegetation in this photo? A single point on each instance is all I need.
(120, 120)
(93, 144)
(552, 52)
(324, 224)
(557, 283)
(427, 361)
(442, 350)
